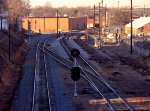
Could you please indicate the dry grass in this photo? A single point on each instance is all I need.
(10, 69)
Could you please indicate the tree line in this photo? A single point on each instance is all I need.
(14, 9)
(22, 8)
(116, 16)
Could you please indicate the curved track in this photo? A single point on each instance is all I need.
(97, 82)
(41, 96)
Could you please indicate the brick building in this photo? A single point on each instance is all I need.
(49, 24)
(90, 23)
(140, 26)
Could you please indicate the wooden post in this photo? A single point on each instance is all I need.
(57, 23)
(131, 47)
(94, 19)
(9, 40)
(99, 25)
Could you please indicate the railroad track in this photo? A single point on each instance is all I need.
(101, 58)
(98, 83)
(41, 95)
(123, 60)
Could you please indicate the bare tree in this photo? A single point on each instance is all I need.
(49, 11)
(26, 8)
(119, 16)
(16, 8)
(43, 11)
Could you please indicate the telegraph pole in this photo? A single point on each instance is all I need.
(131, 47)
(102, 12)
(94, 19)
(57, 23)
(99, 25)
(44, 24)
(9, 41)
(105, 16)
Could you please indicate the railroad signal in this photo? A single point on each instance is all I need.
(75, 52)
(75, 73)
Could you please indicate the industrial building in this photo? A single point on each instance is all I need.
(140, 26)
(51, 24)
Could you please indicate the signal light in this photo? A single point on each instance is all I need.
(75, 52)
(75, 73)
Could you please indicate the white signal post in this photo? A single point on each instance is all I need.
(75, 83)
(75, 53)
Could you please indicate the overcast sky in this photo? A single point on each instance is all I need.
(75, 3)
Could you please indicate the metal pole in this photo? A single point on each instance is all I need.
(99, 26)
(57, 23)
(75, 83)
(94, 19)
(75, 62)
(131, 47)
(75, 89)
(102, 17)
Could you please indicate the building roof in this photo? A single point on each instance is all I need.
(140, 22)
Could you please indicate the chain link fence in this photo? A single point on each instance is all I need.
(140, 46)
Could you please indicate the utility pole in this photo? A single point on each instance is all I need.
(9, 40)
(102, 16)
(99, 25)
(44, 24)
(94, 19)
(105, 15)
(57, 23)
(131, 47)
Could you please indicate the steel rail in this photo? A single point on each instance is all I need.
(103, 81)
(89, 79)
(84, 75)
(36, 68)
(46, 75)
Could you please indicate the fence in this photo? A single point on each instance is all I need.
(141, 47)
